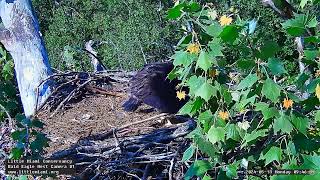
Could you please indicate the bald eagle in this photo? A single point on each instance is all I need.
(151, 86)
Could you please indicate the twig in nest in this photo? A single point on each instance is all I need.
(133, 175)
(146, 172)
(69, 97)
(95, 89)
(53, 92)
(170, 169)
(109, 132)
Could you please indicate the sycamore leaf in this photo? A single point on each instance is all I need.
(302, 124)
(229, 34)
(187, 155)
(282, 124)
(206, 91)
(205, 146)
(182, 58)
(214, 29)
(303, 3)
(233, 132)
(271, 90)
(198, 168)
(215, 47)
(274, 154)
(216, 134)
(194, 83)
(248, 81)
(204, 61)
(311, 162)
(317, 116)
(276, 66)
(253, 136)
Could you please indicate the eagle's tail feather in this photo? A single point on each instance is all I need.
(131, 104)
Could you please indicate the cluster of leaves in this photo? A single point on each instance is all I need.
(30, 141)
(126, 38)
(252, 112)
(8, 91)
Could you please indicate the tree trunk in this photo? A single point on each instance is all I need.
(20, 35)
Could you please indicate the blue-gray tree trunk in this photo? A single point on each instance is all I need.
(20, 35)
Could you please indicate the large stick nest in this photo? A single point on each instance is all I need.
(115, 153)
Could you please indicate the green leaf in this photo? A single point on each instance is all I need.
(274, 154)
(248, 81)
(302, 124)
(282, 124)
(311, 87)
(269, 49)
(312, 177)
(291, 148)
(311, 162)
(216, 134)
(204, 61)
(187, 109)
(37, 123)
(271, 90)
(311, 55)
(175, 12)
(215, 48)
(187, 155)
(192, 7)
(229, 34)
(303, 143)
(198, 168)
(226, 94)
(317, 116)
(182, 58)
(214, 29)
(301, 80)
(206, 91)
(206, 177)
(246, 64)
(231, 170)
(194, 83)
(253, 136)
(20, 117)
(233, 132)
(16, 153)
(266, 111)
(26, 122)
(205, 146)
(312, 23)
(205, 118)
(303, 3)
(197, 104)
(39, 143)
(276, 66)
(23, 177)
(19, 135)
(242, 104)
(295, 26)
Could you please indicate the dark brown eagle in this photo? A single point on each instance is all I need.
(151, 86)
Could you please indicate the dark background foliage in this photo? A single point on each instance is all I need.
(132, 32)
(129, 32)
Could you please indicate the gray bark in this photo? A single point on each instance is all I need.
(20, 35)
